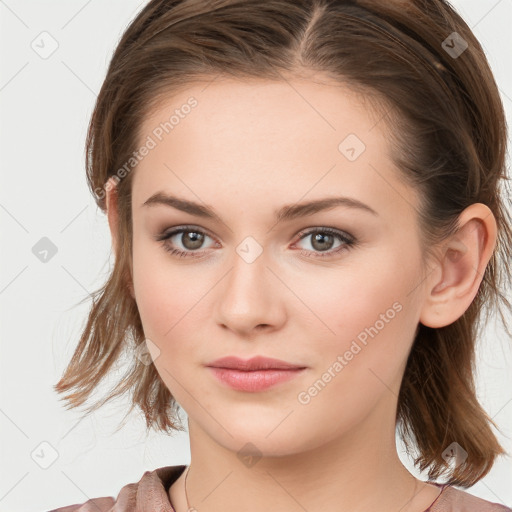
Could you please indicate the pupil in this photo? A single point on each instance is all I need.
(321, 238)
(193, 240)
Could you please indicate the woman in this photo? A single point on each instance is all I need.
(230, 141)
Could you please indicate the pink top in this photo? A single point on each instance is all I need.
(150, 494)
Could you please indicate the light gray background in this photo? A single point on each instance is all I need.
(45, 107)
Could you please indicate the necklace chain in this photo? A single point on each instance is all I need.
(186, 495)
(414, 492)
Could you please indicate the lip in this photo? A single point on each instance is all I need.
(255, 363)
(255, 374)
(255, 380)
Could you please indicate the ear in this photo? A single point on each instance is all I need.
(460, 267)
(112, 213)
(113, 222)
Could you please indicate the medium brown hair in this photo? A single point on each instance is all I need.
(448, 134)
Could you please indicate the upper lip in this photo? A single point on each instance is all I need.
(255, 363)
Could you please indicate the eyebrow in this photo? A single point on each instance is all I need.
(285, 213)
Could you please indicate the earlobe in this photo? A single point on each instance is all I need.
(462, 262)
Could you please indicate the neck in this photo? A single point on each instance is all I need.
(359, 471)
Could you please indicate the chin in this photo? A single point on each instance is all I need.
(256, 437)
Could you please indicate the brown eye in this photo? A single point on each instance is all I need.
(323, 240)
(184, 241)
(192, 239)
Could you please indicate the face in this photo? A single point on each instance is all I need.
(334, 291)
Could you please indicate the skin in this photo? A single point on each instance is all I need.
(247, 149)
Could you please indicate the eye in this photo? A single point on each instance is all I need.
(192, 239)
(323, 239)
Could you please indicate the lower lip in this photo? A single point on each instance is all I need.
(257, 380)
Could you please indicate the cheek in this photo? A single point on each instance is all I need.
(363, 361)
(367, 312)
(166, 293)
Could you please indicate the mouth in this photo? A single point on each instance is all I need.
(253, 380)
(255, 363)
(256, 374)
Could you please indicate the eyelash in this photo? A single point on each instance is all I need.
(348, 242)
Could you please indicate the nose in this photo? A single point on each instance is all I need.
(250, 298)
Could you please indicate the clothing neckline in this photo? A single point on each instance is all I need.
(182, 467)
(443, 487)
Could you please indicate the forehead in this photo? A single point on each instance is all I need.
(262, 108)
(267, 139)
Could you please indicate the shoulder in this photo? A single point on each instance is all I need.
(457, 500)
(151, 490)
(97, 504)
